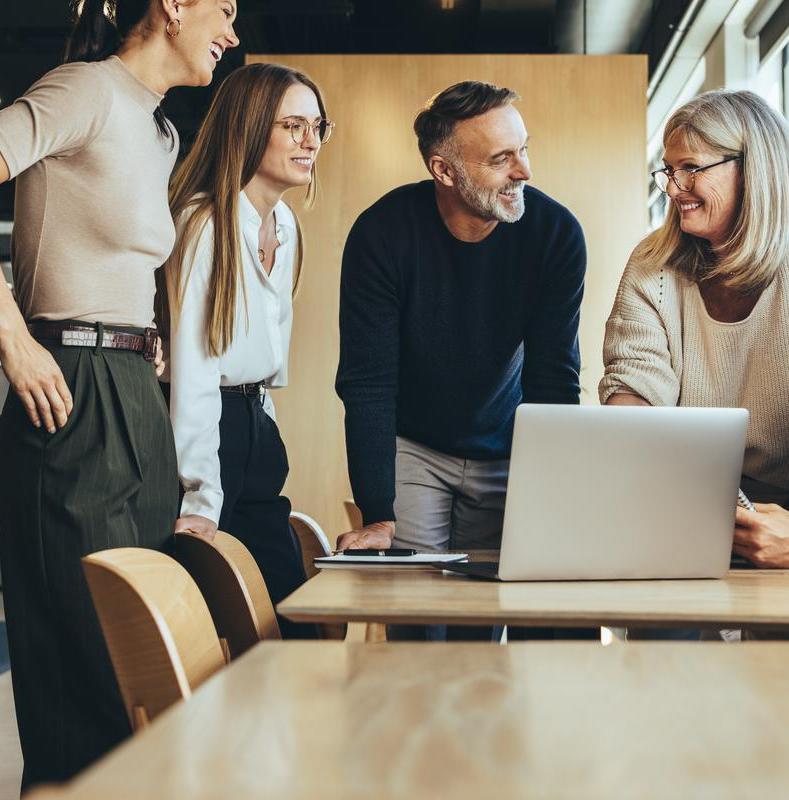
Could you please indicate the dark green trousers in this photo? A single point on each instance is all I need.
(107, 479)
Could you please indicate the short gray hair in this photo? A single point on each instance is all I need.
(435, 123)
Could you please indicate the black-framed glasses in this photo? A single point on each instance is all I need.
(299, 128)
(684, 178)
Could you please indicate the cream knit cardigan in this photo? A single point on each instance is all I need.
(661, 344)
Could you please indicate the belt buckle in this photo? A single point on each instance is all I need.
(78, 337)
(151, 335)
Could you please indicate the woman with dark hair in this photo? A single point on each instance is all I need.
(230, 281)
(88, 461)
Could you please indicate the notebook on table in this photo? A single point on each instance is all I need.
(418, 560)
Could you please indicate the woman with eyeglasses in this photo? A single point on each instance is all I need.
(229, 285)
(701, 317)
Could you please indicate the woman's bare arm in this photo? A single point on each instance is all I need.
(32, 372)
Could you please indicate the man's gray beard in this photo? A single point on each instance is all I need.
(486, 202)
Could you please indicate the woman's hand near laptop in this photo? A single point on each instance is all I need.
(377, 535)
(762, 536)
(197, 526)
(626, 399)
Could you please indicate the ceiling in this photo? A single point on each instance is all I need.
(32, 35)
(440, 26)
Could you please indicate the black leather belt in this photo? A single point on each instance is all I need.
(247, 389)
(90, 334)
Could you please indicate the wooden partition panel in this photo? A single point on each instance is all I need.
(586, 117)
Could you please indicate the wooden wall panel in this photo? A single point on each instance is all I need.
(586, 117)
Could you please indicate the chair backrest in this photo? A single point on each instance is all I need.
(312, 539)
(233, 587)
(159, 633)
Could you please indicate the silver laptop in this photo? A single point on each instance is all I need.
(608, 492)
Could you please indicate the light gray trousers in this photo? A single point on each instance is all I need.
(447, 503)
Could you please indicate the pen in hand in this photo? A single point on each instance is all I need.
(744, 502)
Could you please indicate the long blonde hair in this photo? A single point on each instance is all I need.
(732, 124)
(226, 154)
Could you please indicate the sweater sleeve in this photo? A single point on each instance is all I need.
(368, 368)
(551, 361)
(195, 400)
(636, 352)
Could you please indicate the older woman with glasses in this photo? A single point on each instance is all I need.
(701, 317)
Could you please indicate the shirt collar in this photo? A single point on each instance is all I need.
(247, 211)
(282, 214)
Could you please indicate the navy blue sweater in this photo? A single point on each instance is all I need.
(441, 339)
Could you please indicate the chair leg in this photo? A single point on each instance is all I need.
(376, 632)
(225, 649)
(356, 632)
(139, 718)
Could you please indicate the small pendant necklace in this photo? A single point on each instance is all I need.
(262, 251)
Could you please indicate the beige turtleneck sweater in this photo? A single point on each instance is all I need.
(661, 344)
(91, 220)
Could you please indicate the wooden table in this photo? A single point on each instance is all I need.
(425, 722)
(757, 599)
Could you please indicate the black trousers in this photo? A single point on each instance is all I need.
(107, 479)
(253, 467)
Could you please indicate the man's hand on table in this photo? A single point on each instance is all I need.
(762, 536)
(377, 535)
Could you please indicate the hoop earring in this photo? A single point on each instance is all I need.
(170, 33)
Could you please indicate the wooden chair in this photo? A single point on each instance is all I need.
(314, 542)
(159, 633)
(233, 588)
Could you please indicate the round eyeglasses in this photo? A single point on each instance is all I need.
(684, 178)
(300, 128)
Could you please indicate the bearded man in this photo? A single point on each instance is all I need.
(460, 299)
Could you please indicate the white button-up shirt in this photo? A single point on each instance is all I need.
(259, 350)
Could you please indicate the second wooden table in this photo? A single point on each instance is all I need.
(754, 598)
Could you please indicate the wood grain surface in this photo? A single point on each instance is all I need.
(425, 722)
(752, 598)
